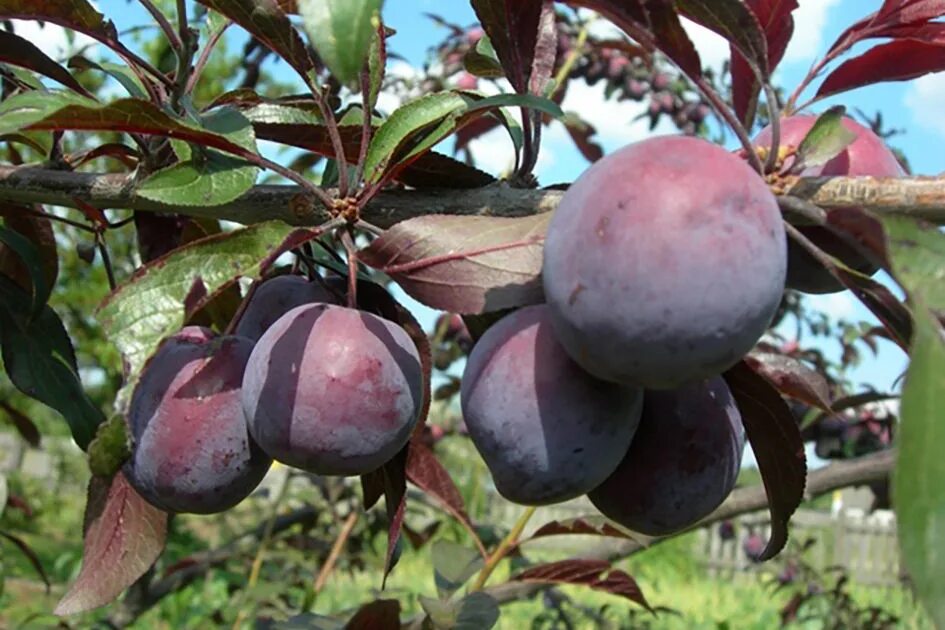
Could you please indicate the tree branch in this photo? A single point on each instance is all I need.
(920, 197)
(874, 467)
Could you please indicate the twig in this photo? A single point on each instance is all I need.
(508, 543)
(335, 552)
(205, 57)
(165, 26)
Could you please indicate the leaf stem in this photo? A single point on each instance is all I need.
(726, 114)
(507, 544)
(352, 250)
(366, 129)
(205, 56)
(774, 114)
(164, 24)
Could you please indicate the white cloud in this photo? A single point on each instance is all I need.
(810, 19)
(836, 305)
(713, 48)
(919, 98)
(53, 40)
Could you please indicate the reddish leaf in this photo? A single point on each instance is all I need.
(124, 154)
(23, 425)
(792, 378)
(776, 442)
(23, 53)
(584, 525)
(124, 535)
(672, 38)
(512, 27)
(862, 227)
(75, 15)
(581, 133)
(267, 21)
(383, 614)
(928, 32)
(464, 264)
(909, 11)
(40, 233)
(546, 50)
(596, 574)
(882, 303)
(736, 22)
(30, 555)
(777, 21)
(899, 60)
(426, 472)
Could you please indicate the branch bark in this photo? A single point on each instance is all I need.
(874, 467)
(920, 197)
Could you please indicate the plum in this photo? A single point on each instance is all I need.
(682, 463)
(333, 390)
(191, 449)
(867, 155)
(276, 297)
(664, 263)
(547, 430)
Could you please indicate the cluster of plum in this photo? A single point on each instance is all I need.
(303, 381)
(664, 264)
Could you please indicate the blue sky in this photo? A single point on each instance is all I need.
(916, 107)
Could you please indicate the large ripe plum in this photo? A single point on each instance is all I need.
(682, 463)
(664, 263)
(192, 451)
(333, 390)
(867, 155)
(276, 297)
(547, 430)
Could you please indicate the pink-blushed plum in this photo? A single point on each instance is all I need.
(274, 298)
(682, 463)
(547, 430)
(867, 155)
(333, 390)
(664, 263)
(191, 448)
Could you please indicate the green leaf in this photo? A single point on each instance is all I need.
(482, 61)
(156, 302)
(123, 74)
(540, 103)
(110, 448)
(207, 177)
(405, 123)
(40, 361)
(918, 258)
(34, 264)
(377, 64)
(920, 468)
(825, 140)
(476, 611)
(453, 565)
(340, 30)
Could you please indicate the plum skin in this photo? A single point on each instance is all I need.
(664, 263)
(547, 430)
(191, 449)
(683, 461)
(867, 155)
(333, 390)
(275, 297)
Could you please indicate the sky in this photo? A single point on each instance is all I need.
(915, 107)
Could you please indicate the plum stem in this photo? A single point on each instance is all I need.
(352, 250)
(508, 543)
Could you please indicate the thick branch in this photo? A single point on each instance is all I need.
(922, 197)
(838, 475)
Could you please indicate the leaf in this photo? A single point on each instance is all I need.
(596, 574)
(792, 378)
(531, 101)
(267, 21)
(825, 140)
(737, 23)
(341, 32)
(582, 525)
(23, 425)
(908, 11)
(29, 260)
(110, 448)
(39, 231)
(75, 15)
(122, 74)
(899, 60)
(124, 535)
(40, 361)
(476, 611)
(777, 22)
(64, 111)
(21, 52)
(403, 124)
(920, 466)
(546, 51)
(776, 442)
(887, 308)
(512, 27)
(151, 305)
(464, 264)
(453, 565)
(377, 65)
(918, 256)
(382, 614)
(29, 553)
(207, 177)
(4, 493)
(426, 472)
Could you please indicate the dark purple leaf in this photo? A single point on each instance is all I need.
(512, 27)
(596, 574)
(23, 425)
(736, 22)
(23, 53)
(862, 227)
(672, 38)
(776, 442)
(583, 525)
(464, 264)
(792, 378)
(39, 232)
(882, 303)
(124, 535)
(899, 60)
(382, 614)
(581, 133)
(267, 21)
(75, 15)
(30, 555)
